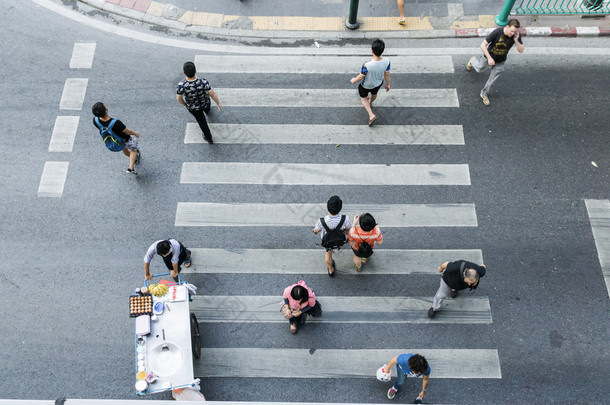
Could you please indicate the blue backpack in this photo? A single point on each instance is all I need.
(113, 142)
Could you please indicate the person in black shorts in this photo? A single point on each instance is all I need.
(372, 76)
(131, 150)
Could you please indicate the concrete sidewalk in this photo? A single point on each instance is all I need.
(325, 19)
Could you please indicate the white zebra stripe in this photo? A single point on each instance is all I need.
(310, 261)
(386, 310)
(82, 55)
(329, 134)
(318, 65)
(64, 132)
(250, 97)
(53, 179)
(388, 215)
(336, 363)
(73, 94)
(599, 216)
(324, 174)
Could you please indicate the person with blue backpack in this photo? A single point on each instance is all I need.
(116, 136)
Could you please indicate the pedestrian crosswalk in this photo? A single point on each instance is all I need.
(277, 171)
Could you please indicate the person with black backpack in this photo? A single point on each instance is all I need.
(116, 136)
(333, 228)
(362, 237)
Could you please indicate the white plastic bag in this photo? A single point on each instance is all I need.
(382, 375)
(187, 394)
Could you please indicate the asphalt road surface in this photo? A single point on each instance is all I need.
(445, 176)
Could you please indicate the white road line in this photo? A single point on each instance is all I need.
(235, 97)
(53, 179)
(318, 65)
(64, 132)
(311, 261)
(71, 401)
(82, 55)
(73, 94)
(336, 363)
(324, 174)
(599, 215)
(329, 134)
(386, 310)
(387, 215)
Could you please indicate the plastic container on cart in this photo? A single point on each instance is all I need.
(143, 325)
(158, 308)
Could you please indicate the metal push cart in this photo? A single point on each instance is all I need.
(164, 355)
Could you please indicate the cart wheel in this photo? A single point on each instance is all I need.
(195, 337)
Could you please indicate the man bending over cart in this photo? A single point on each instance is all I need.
(173, 253)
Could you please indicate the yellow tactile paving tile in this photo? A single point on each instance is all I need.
(187, 18)
(313, 23)
(155, 9)
(465, 24)
(199, 18)
(484, 21)
(337, 23)
(391, 24)
(214, 20)
(487, 21)
(228, 18)
(267, 23)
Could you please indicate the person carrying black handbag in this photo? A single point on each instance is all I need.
(362, 237)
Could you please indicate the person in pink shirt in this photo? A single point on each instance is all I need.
(298, 301)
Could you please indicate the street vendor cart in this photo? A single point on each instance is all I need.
(166, 337)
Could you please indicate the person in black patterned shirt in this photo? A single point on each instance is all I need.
(194, 93)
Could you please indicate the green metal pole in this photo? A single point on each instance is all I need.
(502, 19)
(352, 20)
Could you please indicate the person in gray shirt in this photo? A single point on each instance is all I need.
(372, 75)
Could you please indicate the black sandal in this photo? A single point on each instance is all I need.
(334, 270)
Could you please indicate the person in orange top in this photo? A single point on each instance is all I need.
(362, 237)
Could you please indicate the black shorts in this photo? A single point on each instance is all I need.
(364, 92)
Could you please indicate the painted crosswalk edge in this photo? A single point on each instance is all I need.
(82, 55)
(599, 216)
(73, 94)
(64, 132)
(53, 179)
